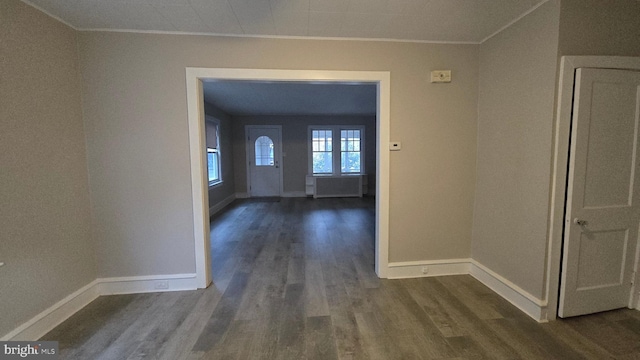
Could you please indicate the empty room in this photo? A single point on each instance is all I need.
(320, 179)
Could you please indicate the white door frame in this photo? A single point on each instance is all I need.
(568, 66)
(247, 128)
(199, 185)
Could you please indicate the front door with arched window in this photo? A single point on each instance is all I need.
(263, 160)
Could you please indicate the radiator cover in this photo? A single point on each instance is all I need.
(337, 186)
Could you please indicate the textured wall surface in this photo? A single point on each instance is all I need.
(45, 221)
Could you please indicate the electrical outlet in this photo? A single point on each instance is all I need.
(425, 270)
(162, 284)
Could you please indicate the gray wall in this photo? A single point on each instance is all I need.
(45, 235)
(227, 188)
(135, 104)
(518, 79)
(515, 122)
(295, 141)
(596, 27)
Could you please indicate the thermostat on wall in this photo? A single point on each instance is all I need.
(441, 76)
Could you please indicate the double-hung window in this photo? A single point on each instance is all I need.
(350, 154)
(322, 151)
(336, 150)
(213, 151)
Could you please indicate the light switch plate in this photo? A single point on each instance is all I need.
(395, 146)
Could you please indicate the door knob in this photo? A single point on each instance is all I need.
(580, 222)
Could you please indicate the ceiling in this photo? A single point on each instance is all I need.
(291, 98)
(466, 21)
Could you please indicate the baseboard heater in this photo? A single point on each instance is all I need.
(335, 186)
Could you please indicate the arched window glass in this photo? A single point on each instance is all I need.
(264, 151)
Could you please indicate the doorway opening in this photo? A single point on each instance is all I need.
(195, 104)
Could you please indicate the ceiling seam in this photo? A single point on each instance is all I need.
(49, 14)
(512, 22)
(235, 15)
(202, 21)
(285, 37)
(162, 15)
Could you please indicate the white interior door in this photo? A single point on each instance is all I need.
(263, 160)
(602, 210)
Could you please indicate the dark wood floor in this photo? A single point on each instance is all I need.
(294, 279)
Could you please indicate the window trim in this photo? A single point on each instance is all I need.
(216, 154)
(217, 151)
(333, 147)
(336, 152)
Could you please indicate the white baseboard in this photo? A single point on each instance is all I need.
(146, 284)
(44, 322)
(414, 269)
(243, 195)
(529, 304)
(222, 204)
(294, 194)
(65, 308)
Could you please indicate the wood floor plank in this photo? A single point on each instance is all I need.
(165, 327)
(478, 329)
(615, 339)
(553, 347)
(562, 331)
(467, 348)
(234, 344)
(470, 297)
(133, 336)
(315, 298)
(291, 329)
(632, 324)
(110, 314)
(222, 277)
(410, 318)
(250, 306)
(330, 270)
(179, 346)
(410, 346)
(296, 268)
(223, 314)
(265, 344)
(359, 299)
(443, 320)
(372, 335)
(347, 337)
(366, 275)
(319, 340)
(529, 345)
